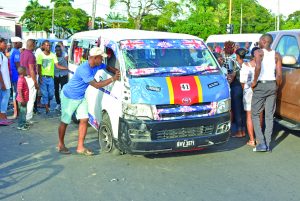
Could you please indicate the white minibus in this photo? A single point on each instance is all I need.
(171, 96)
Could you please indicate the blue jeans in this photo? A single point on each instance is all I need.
(4, 97)
(47, 89)
(22, 115)
(237, 106)
(15, 90)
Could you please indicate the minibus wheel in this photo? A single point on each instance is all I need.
(105, 136)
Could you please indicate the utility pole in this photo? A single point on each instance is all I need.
(241, 26)
(94, 13)
(278, 15)
(53, 19)
(230, 7)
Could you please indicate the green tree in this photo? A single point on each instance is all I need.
(36, 17)
(203, 21)
(292, 22)
(67, 20)
(137, 10)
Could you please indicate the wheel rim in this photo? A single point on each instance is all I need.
(106, 138)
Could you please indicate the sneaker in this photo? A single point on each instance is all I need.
(30, 122)
(260, 148)
(57, 107)
(23, 128)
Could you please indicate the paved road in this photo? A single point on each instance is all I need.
(31, 169)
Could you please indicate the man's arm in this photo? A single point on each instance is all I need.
(258, 54)
(278, 69)
(33, 75)
(104, 83)
(61, 67)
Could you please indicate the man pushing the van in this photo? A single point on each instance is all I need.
(73, 99)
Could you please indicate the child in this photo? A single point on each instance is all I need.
(22, 98)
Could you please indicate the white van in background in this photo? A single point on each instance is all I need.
(242, 39)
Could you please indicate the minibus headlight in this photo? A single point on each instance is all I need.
(223, 106)
(138, 111)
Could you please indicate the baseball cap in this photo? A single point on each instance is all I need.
(15, 39)
(95, 51)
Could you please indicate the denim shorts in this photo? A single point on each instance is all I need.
(70, 106)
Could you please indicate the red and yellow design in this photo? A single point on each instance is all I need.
(185, 90)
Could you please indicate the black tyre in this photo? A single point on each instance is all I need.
(106, 140)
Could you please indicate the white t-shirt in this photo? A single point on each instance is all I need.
(4, 70)
(247, 75)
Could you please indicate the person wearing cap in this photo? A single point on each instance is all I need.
(46, 62)
(73, 98)
(14, 65)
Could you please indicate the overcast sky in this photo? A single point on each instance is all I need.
(18, 6)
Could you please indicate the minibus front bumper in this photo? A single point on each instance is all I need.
(147, 137)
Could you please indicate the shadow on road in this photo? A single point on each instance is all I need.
(22, 170)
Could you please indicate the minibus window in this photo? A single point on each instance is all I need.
(80, 51)
(156, 58)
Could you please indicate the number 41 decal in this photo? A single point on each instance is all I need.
(185, 87)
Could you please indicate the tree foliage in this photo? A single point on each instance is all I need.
(67, 20)
(37, 17)
(211, 16)
(293, 21)
(138, 9)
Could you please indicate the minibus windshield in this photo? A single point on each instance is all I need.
(174, 54)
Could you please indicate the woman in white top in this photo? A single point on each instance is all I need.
(246, 78)
(4, 80)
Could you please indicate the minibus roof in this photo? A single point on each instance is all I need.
(130, 34)
(233, 37)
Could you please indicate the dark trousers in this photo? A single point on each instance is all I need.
(236, 93)
(22, 115)
(264, 98)
(59, 81)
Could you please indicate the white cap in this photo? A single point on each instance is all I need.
(95, 51)
(15, 39)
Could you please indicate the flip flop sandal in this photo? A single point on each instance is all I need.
(251, 143)
(64, 150)
(86, 152)
(238, 136)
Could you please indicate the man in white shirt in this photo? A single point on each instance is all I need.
(5, 84)
(267, 78)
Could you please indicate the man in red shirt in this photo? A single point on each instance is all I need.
(28, 60)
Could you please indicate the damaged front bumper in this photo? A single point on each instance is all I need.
(145, 137)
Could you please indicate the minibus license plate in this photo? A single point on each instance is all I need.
(185, 143)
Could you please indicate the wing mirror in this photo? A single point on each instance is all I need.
(290, 61)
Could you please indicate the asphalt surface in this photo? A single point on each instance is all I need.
(31, 169)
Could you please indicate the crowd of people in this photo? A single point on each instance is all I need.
(33, 75)
(28, 75)
(253, 85)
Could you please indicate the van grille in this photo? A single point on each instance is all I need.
(167, 112)
(185, 132)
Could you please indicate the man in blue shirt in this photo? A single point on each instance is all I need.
(14, 64)
(73, 98)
